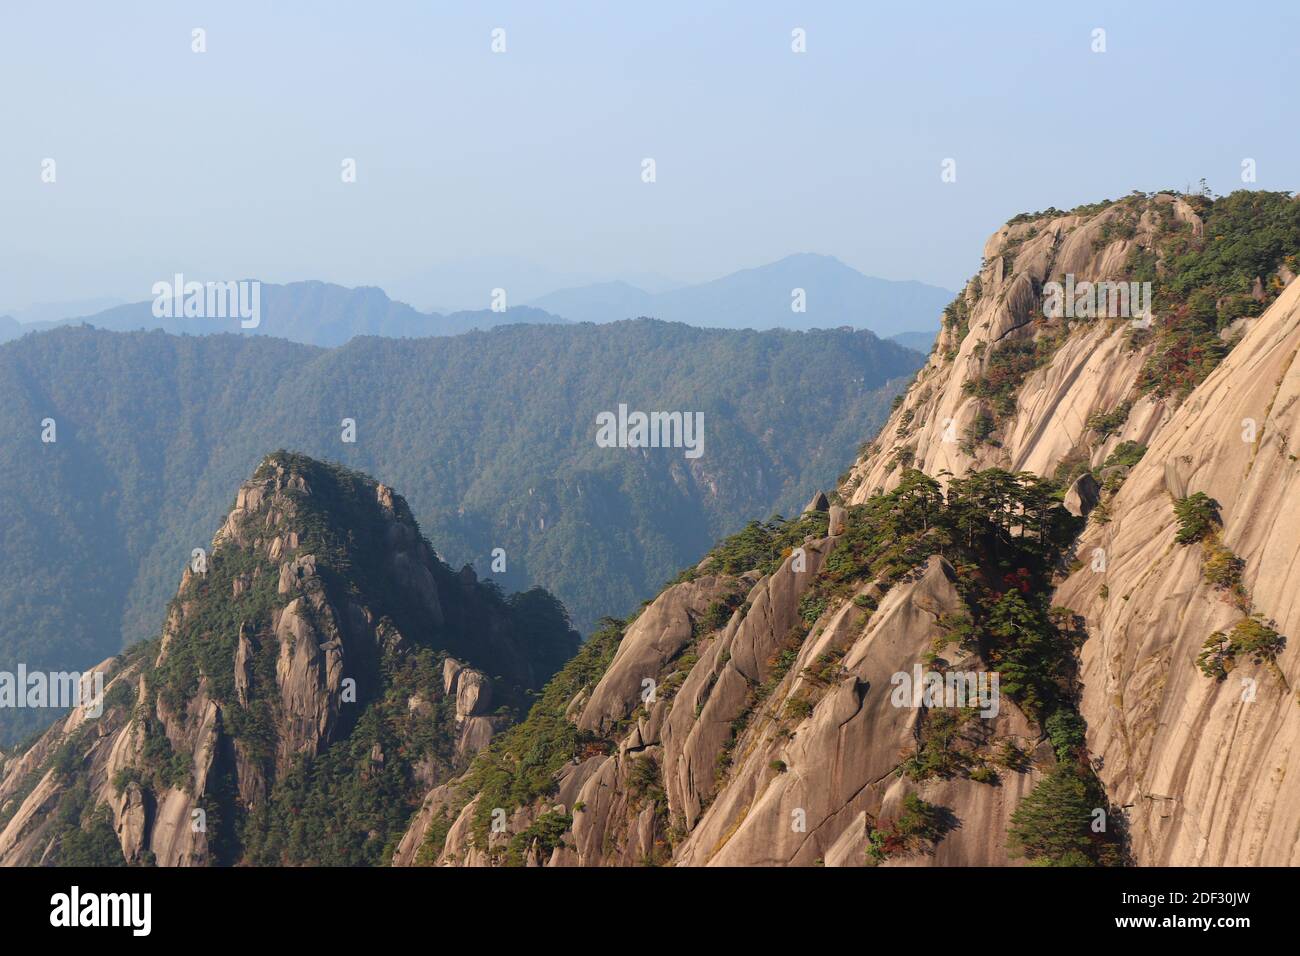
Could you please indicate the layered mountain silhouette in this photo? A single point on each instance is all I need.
(322, 313)
(761, 298)
(313, 313)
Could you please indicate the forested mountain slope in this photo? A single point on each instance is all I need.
(493, 433)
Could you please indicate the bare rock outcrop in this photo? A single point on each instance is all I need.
(945, 422)
(802, 783)
(657, 636)
(1082, 495)
(1202, 764)
(806, 787)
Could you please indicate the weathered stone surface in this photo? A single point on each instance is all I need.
(1202, 769)
(1094, 370)
(473, 694)
(1083, 495)
(819, 502)
(309, 673)
(657, 636)
(838, 516)
(451, 669)
(243, 666)
(840, 761)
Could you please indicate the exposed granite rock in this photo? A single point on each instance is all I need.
(838, 763)
(1092, 371)
(1083, 495)
(837, 518)
(819, 502)
(319, 634)
(1202, 764)
(657, 636)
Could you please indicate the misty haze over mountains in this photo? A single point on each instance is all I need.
(325, 314)
(608, 436)
(761, 299)
(312, 313)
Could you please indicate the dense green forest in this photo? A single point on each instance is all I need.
(490, 435)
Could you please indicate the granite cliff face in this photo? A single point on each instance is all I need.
(304, 681)
(745, 717)
(1064, 373)
(1199, 762)
(1203, 764)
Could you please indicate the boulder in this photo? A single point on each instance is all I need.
(1083, 495)
(818, 503)
(473, 694)
(838, 515)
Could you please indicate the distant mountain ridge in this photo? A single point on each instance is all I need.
(326, 314)
(762, 298)
(48, 312)
(313, 313)
(921, 342)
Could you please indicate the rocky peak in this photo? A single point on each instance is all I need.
(1186, 670)
(318, 612)
(1021, 381)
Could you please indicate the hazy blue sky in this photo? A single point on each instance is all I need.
(227, 163)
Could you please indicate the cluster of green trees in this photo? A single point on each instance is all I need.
(1251, 637)
(1003, 520)
(1107, 423)
(956, 320)
(1198, 516)
(919, 824)
(1008, 366)
(760, 545)
(83, 832)
(1206, 282)
(1067, 821)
